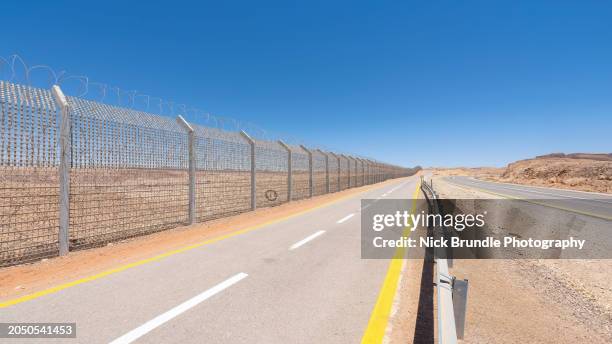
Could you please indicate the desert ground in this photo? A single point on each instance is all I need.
(578, 171)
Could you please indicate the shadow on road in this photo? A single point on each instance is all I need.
(424, 327)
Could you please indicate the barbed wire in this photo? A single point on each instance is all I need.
(16, 70)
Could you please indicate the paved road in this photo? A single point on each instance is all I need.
(297, 281)
(593, 204)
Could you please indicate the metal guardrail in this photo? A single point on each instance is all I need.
(451, 293)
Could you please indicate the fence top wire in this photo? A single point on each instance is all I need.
(297, 150)
(94, 110)
(271, 145)
(126, 107)
(218, 134)
(26, 95)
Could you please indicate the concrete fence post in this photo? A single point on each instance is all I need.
(326, 170)
(289, 170)
(310, 176)
(253, 170)
(192, 167)
(65, 142)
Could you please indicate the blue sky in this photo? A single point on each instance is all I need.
(434, 83)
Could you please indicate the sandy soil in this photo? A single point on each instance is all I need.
(108, 205)
(544, 301)
(567, 173)
(24, 279)
(481, 172)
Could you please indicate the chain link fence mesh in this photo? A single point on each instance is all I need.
(319, 175)
(223, 173)
(344, 173)
(300, 173)
(129, 173)
(271, 165)
(334, 173)
(29, 188)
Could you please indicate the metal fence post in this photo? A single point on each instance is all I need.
(348, 164)
(362, 172)
(65, 142)
(355, 174)
(192, 167)
(310, 181)
(253, 170)
(289, 171)
(338, 170)
(326, 170)
(372, 172)
(363, 168)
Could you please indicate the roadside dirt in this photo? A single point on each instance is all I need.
(530, 300)
(479, 172)
(413, 317)
(24, 279)
(567, 173)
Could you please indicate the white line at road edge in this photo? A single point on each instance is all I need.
(176, 311)
(305, 240)
(346, 217)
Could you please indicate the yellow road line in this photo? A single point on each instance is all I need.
(533, 202)
(166, 254)
(379, 318)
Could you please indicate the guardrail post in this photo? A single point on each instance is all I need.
(289, 170)
(460, 290)
(310, 179)
(192, 167)
(326, 170)
(65, 142)
(253, 170)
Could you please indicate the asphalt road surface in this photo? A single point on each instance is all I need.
(300, 280)
(585, 203)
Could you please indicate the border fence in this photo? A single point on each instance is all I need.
(76, 173)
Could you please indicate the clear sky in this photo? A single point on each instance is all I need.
(434, 83)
